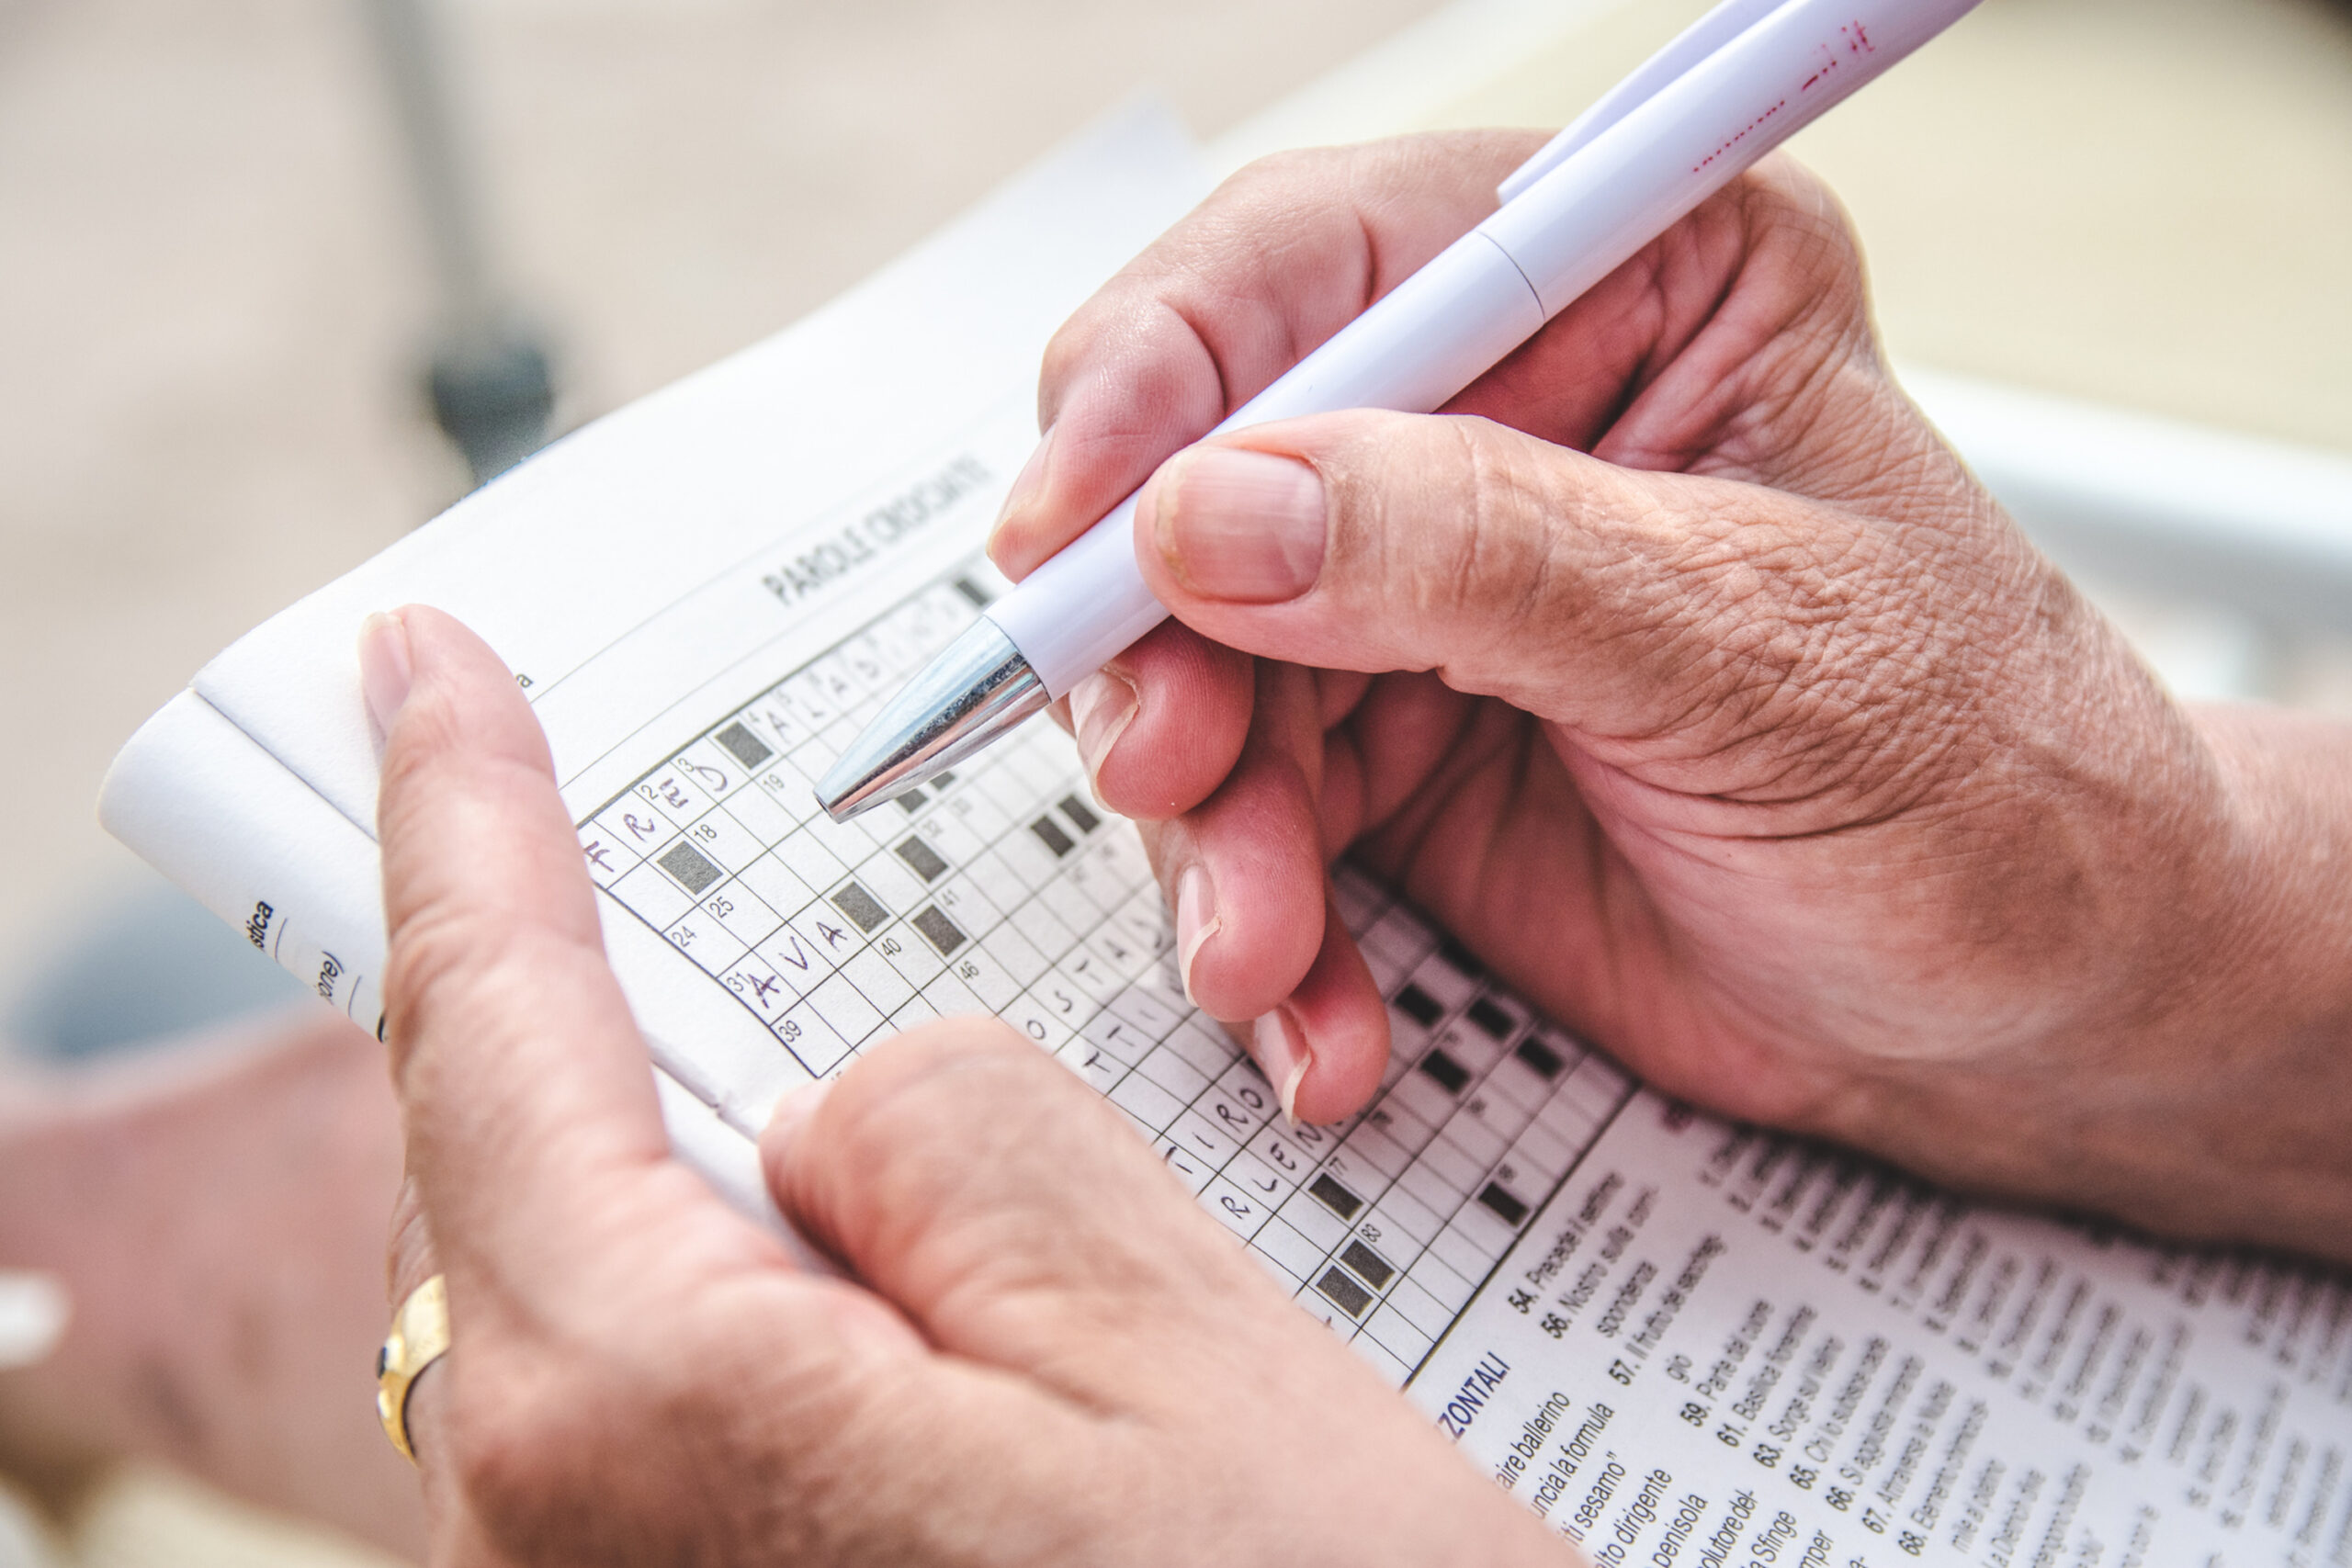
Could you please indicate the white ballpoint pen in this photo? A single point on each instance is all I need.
(1739, 82)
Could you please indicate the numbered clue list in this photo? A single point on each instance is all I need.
(1679, 1342)
(1721, 1347)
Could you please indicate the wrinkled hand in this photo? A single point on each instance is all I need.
(1051, 1355)
(1684, 674)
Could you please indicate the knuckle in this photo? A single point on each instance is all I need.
(1798, 225)
(409, 1251)
(1790, 201)
(436, 948)
(1066, 353)
(1132, 375)
(940, 1076)
(912, 1121)
(436, 938)
(1277, 177)
(457, 971)
(1491, 534)
(945, 1127)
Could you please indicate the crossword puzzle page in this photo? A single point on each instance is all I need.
(1666, 1332)
(1683, 1344)
(1002, 888)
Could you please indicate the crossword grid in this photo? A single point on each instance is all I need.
(1003, 889)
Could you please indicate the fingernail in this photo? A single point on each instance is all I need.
(1196, 921)
(1101, 708)
(793, 1109)
(384, 672)
(1284, 1058)
(1241, 525)
(1025, 485)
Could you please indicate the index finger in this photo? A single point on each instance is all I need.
(533, 1129)
(1279, 258)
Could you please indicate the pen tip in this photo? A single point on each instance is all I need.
(978, 688)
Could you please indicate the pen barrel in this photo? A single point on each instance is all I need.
(1597, 208)
(1420, 345)
(1082, 606)
(1736, 86)
(1420, 342)
(1495, 287)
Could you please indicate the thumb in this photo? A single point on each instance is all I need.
(1005, 1208)
(1615, 601)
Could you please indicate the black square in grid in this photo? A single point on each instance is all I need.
(921, 859)
(864, 910)
(1343, 1292)
(1049, 834)
(1419, 1006)
(1369, 1267)
(974, 592)
(1539, 1056)
(686, 863)
(1445, 1072)
(1508, 1208)
(1078, 811)
(937, 929)
(1492, 1019)
(1457, 958)
(912, 800)
(940, 780)
(1334, 1197)
(743, 746)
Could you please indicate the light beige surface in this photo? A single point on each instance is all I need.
(211, 296)
(2143, 202)
(212, 300)
(2147, 203)
(151, 1518)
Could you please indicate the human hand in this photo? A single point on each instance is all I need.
(1685, 676)
(212, 1210)
(1047, 1353)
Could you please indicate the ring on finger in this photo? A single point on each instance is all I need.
(420, 1335)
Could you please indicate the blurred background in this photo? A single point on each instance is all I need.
(2110, 237)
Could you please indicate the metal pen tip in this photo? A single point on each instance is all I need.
(979, 688)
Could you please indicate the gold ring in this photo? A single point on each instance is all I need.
(420, 1334)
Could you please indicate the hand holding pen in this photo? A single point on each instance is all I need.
(1680, 672)
(1736, 82)
(1698, 687)
(1676, 668)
